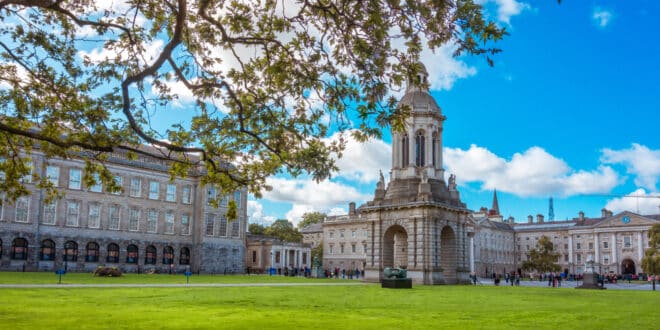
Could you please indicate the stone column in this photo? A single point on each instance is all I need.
(640, 247)
(614, 258)
(570, 248)
(471, 253)
(596, 249)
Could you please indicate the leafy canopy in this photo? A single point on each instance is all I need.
(651, 260)
(542, 258)
(311, 218)
(268, 81)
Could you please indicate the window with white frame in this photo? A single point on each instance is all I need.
(222, 227)
(170, 194)
(185, 224)
(224, 201)
(353, 248)
(353, 233)
(119, 182)
(169, 222)
(152, 221)
(578, 246)
(235, 228)
(186, 194)
(154, 187)
(578, 258)
(53, 175)
(27, 178)
(72, 213)
(606, 259)
(210, 225)
(627, 241)
(330, 249)
(75, 178)
(22, 209)
(237, 199)
(136, 187)
(94, 215)
(210, 195)
(114, 217)
(134, 219)
(606, 245)
(50, 212)
(341, 248)
(98, 186)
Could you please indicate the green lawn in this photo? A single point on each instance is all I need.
(325, 307)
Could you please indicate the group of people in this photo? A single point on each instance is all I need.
(343, 273)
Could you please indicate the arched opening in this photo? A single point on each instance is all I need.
(395, 247)
(113, 253)
(47, 250)
(132, 254)
(168, 255)
(184, 256)
(434, 149)
(19, 249)
(70, 251)
(405, 147)
(150, 256)
(420, 149)
(92, 253)
(448, 253)
(627, 267)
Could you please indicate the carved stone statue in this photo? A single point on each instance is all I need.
(452, 182)
(425, 177)
(381, 181)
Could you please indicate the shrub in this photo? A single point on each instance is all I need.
(107, 271)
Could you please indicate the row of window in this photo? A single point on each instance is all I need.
(135, 187)
(342, 233)
(72, 216)
(217, 226)
(331, 248)
(19, 251)
(420, 149)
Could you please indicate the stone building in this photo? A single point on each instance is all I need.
(313, 234)
(264, 252)
(154, 223)
(417, 221)
(615, 242)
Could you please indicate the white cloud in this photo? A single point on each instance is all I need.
(101, 55)
(641, 205)
(255, 212)
(639, 160)
(310, 196)
(602, 17)
(534, 172)
(444, 69)
(361, 161)
(509, 8)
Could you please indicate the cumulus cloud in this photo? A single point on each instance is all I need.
(306, 195)
(641, 205)
(509, 8)
(444, 69)
(534, 172)
(255, 213)
(639, 161)
(361, 161)
(602, 17)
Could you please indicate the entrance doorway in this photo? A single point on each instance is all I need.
(448, 259)
(395, 247)
(627, 267)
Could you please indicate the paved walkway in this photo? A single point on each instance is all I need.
(620, 285)
(197, 285)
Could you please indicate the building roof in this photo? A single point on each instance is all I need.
(312, 228)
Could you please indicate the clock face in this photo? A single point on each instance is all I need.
(625, 219)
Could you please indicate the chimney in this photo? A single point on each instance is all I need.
(351, 208)
(530, 219)
(581, 216)
(603, 213)
(539, 218)
(511, 220)
(609, 213)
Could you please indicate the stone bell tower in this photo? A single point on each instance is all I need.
(417, 220)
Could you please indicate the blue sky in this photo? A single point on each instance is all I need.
(570, 110)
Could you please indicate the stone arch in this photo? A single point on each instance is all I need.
(420, 148)
(448, 255)
(627, 266)
(395, 247)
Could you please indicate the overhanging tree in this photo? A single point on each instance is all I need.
(310, 218)
(266, 81)
(542, 258)
(651, 260)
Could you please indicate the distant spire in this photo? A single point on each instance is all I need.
(495, 209)
(551, 211)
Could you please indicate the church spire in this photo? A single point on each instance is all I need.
(495, 209)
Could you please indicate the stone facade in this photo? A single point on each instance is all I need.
(264, 252)
(154, 223)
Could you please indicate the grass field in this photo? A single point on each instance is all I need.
(324, 307)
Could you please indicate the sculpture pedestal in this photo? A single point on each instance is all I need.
(396, 283)
(590, 281)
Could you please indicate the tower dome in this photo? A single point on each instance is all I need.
(417, 95)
